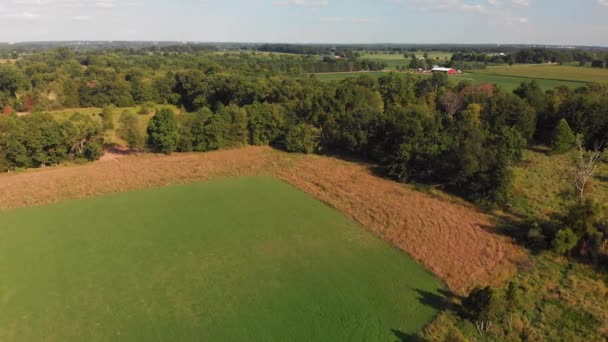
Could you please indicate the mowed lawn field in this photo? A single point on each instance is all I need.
(508, 83)
(511, 83)
(550, 72)
(231, 259)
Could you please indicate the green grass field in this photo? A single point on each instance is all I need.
(550, 72)
(226, 260)
(510, 83)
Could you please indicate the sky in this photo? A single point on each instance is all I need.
(558, 22)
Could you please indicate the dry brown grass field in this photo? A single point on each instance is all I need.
(451, 238)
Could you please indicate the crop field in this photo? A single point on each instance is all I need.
(510, 83)
(230, 259)
(550, 72)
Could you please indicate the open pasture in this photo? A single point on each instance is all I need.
(235, 259)
(511, 83)
(561, 73)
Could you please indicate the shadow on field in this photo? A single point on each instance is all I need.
(436, 301)
(117, 149)
(405, 337)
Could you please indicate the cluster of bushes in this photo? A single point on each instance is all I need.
(256, 124)
(582, 233)
(38, 140)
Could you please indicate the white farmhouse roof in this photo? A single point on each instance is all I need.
(442, 69)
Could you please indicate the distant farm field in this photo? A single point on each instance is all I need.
(398, 59)
(550, 72)
(225, 260)
(511, 83)
(508, 83)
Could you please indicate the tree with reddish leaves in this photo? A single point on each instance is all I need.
(7, 110)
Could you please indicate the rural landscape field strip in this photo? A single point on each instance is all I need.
(452, 240)
(549, 72)
(233, 259)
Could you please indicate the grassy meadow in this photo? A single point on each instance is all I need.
(549, 72)
(233, 259)
(511, 83)
(543, 184)
(111, 136)
(508, 83)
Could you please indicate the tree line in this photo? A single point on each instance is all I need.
(597, 58)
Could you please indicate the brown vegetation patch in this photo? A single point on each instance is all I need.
(451, 239)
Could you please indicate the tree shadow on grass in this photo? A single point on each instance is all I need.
(438, 301)
(405, 337)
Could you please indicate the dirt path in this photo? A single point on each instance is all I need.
(452, 240)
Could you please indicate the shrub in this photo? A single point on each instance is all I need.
(563, 138)
(107, 118)
(302, 138)
(132, 131)
(565, 241)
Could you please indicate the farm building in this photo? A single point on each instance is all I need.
(449, 71)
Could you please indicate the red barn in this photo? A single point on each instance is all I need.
(449, 71)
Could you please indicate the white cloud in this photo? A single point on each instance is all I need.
(447, 5)
(81, 18)
(105, 4)
(495, 3)
(517, 20)
(21, 16)
(331, 19)
(524, 3)
(603, 2)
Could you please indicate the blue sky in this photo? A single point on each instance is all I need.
(568, 22)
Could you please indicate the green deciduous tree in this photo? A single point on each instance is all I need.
(563, 138)
(163, 132)
(302, 138)
(132, 131)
